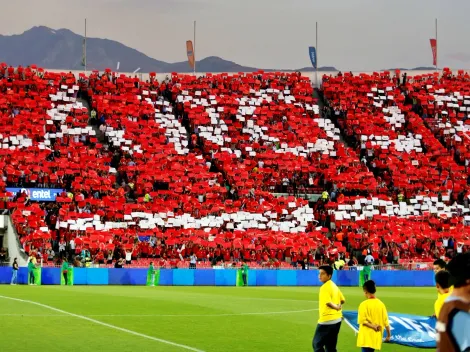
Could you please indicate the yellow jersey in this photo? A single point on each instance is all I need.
(373, 311)
(329, 293)
(440, 302)
(451, 289)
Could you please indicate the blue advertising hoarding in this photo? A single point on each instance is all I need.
(37, 194)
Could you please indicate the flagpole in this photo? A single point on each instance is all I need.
(436, 44)
(194, 49)
(84, 49)
(316, 46)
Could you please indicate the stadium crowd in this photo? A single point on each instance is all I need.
(189, 166)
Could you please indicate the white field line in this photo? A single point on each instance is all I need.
(164, 315)
(104, 324)
(251, 298)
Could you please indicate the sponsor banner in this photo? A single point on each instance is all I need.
(190, 53)
(407, 330)
(37, 194)
(312, 52)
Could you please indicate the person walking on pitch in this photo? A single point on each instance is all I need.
(31, 268)
(244, 274)
(330, 305)
(14, 276)
(443, 290)
(372, 319)
(453, 323)
(152, 274)
(65, 271)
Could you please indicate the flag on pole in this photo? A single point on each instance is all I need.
(83, 52)
(312, 52)
(434, 51)
(190, 53)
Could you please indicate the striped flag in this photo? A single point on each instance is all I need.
(434, 51)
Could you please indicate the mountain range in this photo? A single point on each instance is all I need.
(62, 49)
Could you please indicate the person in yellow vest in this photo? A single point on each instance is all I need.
(401, 197)
(372, 318)
(147, 198)
(325, 196)
(443, 289)
(339, 264)
(331, 301)
(438, 266)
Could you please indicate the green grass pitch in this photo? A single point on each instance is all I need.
(209, 319)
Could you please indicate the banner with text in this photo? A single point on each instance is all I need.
(190, 53)
(407, 330)
(37, 194)
(312, 52)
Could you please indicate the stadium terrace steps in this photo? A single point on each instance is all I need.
(253, 130)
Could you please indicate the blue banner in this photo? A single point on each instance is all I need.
(407, 330)
(37, 194)
(312, 52)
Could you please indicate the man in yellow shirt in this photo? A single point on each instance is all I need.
(330, 305)
(438, 265)
(372, 319)
(443, 289)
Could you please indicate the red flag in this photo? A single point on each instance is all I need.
(190, 52)
(434, 51)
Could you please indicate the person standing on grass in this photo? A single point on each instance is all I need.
(65, 271)
(192, 261)
(438, 265)
(330, 304)
(372, 319)
(244, 274)
(443, 290)
(366, 271)
(31, 268)
(453, 324)
(14, 276)
(152, 274)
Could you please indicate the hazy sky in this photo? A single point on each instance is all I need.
(353, 34)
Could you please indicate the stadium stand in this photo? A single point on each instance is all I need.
(189, 165)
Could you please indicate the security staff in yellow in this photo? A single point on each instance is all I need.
(330, 305)
(372, 318)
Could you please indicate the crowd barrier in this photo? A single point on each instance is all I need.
(219, 277)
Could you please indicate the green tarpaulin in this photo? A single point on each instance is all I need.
(156, 281)
(37, 276)
(362, 275)
(240, 278)
(69, 276)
